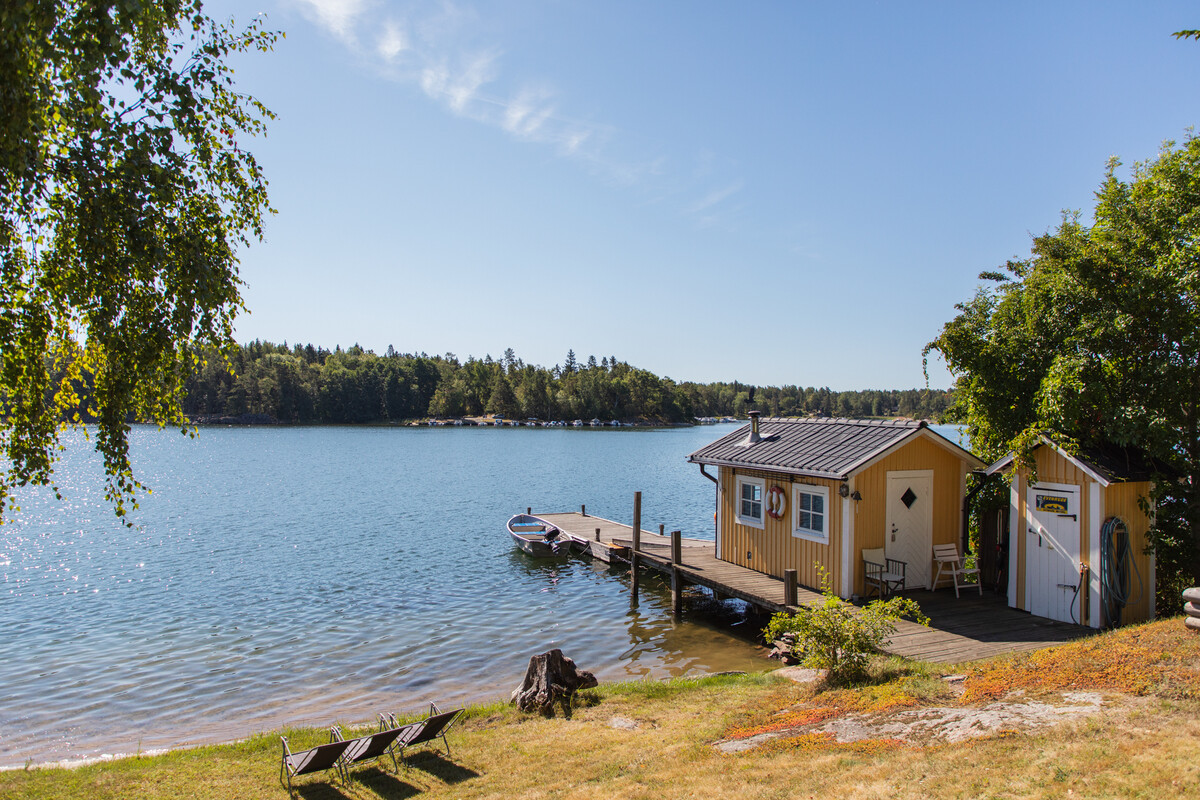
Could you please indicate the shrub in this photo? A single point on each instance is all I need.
(839, 638)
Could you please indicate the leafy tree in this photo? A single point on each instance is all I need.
(124, 194)
(1096, 338)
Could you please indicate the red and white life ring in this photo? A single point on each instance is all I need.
(776, 503)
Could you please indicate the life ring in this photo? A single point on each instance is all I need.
(776, 503)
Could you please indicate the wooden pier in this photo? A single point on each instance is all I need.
(965, 628)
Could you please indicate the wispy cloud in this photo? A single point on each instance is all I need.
(392, 42)
(435, 46)
(336, 16)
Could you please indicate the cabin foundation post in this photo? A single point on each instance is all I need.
(637, 545)
(789, 587)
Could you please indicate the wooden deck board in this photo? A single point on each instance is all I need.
(962, 629)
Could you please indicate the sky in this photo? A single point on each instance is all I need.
(773, 192)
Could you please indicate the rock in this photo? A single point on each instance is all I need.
(551, 678)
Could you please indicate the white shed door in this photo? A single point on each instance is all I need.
(909, 533)
(1052, 552)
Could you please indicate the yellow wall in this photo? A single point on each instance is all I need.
(1121, 500)
(773, 549)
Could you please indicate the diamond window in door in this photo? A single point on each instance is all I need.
(908, 498)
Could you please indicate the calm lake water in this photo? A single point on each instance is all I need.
(283, 576)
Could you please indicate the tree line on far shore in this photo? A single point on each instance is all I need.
(307, 384)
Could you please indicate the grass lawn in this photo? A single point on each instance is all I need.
(655, 739)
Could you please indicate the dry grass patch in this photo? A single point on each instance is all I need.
(1159, 658)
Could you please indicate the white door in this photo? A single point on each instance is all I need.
(908, 536)
(1052, 551)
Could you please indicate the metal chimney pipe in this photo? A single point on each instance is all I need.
(754, 436)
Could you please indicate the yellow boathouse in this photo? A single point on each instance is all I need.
(806, 494)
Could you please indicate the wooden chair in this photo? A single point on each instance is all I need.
(884, 575)
(948, 560)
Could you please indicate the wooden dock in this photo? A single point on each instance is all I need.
(965, 628)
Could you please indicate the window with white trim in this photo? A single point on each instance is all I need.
(750, 495)
(810, 512)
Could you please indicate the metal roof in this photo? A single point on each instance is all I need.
(819, 448)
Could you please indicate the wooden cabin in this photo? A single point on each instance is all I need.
(1077, 537)
(805, 494)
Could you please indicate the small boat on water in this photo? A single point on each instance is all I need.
(537, 537)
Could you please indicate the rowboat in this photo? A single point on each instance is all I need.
(537, 537)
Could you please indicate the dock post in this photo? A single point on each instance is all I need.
(583, 510)
(676, 547)
(789, 587)
(597, 534)
(529, 511)
(676, 592)
(637, 545)
(661, 529)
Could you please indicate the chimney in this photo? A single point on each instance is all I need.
(754, 437)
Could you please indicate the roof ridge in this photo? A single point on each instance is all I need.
(880, 423)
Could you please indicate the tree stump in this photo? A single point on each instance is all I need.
(551, 678)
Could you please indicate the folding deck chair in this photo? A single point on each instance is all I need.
(371, 746)
(321, 757)
(432, 727)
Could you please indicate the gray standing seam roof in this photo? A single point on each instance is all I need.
(819, 448)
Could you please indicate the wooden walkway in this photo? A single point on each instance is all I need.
(961, 629)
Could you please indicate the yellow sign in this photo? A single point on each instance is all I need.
(1055, 504)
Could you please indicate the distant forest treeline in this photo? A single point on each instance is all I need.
(306, 384)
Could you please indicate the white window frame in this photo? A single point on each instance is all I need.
(800, 532)
(761, 483)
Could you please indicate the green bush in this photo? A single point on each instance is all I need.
(838, 637)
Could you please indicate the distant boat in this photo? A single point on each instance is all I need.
(537, 537)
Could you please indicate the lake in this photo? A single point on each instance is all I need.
(302, 576)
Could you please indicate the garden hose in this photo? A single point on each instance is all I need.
(1117, 570)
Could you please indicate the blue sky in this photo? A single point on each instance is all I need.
(770, 192)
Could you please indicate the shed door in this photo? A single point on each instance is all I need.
(1052, 552)
(909, 533)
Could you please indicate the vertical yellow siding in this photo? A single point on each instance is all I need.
(1121, 500)
(773, 549)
